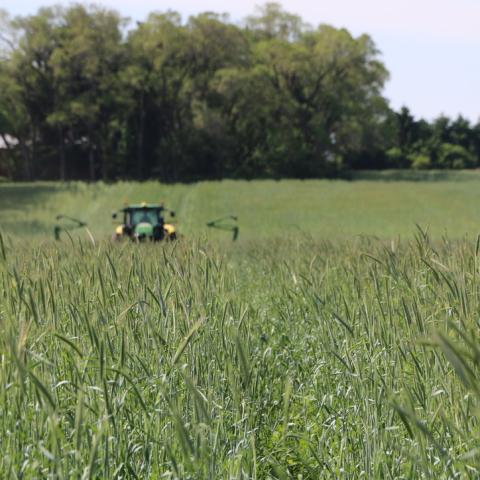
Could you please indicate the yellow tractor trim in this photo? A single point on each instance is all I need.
(169, 228)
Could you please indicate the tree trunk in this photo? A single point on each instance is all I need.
(141, 136)
(61, 146)
(91, 155)
(91, 163)
(104, 157)
(26, 160)
(7, 171)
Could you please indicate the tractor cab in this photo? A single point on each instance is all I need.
(145, 222)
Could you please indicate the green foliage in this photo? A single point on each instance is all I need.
(271, 21)
(84, 97)
(395, 157)
(455, 156)
(420, 161)
(177, 100)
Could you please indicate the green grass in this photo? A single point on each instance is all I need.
(326, 209)
(272, 358)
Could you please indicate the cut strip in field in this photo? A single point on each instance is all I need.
(374, 205)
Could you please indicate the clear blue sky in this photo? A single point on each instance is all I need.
(431, 47)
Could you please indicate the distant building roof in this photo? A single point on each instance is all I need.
(12, 141)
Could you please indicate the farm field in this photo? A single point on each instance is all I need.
(376, 205)
(333, 340)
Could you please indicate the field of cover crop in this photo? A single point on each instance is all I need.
(289, 354)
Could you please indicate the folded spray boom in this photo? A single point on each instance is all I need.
(224, 223)
(58, 229)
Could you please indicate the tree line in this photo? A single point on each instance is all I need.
(86, 95)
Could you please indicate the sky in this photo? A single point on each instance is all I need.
(430, 47)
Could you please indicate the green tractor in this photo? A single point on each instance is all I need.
(145, 221)
(142, 222)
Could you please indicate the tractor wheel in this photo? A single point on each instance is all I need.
(158, 233)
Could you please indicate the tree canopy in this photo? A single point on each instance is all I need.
(86, 95)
